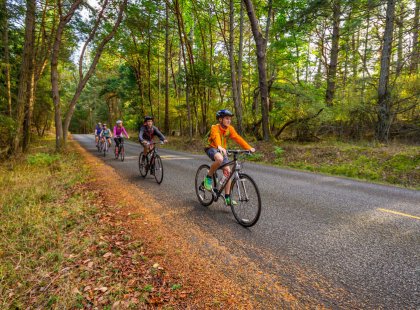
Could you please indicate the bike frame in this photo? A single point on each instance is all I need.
(121, 144)
(217, 192)
(153, 151)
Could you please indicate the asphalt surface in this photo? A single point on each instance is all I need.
(331, 241)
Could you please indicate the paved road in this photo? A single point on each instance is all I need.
(338, 242)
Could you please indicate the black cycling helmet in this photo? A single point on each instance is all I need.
(223, 113)
(148, 118)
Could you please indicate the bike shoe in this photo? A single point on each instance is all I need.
(208, 183)
(230, 202)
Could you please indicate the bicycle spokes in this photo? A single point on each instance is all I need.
(248, 208)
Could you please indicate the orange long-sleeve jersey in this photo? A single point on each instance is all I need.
(218, 137)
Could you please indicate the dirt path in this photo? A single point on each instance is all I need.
(192, 275)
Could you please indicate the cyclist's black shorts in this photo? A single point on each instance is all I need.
(213, 151)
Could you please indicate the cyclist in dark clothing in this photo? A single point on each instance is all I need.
(147, 133)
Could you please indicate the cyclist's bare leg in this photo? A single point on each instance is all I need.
(227, 187)
(218, 159)
(145, 149)
(96, 139)
(109, 142)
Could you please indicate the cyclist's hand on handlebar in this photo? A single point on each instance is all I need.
(222, 150)
(252, 150)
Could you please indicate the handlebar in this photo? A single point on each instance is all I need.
(151, 143)
(235, 152)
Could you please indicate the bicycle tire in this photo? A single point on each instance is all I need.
(204, 196)
(248, 208)
(105, 149)
(143, 165)
(122, 152)
(158, 169)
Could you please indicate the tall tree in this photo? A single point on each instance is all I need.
(261, 45)
(42, 49)
(233, 74)
(26, 69)
(166, 123)
(84, 77)
(7, 57)
(415, 53)
(332, 66)
(384, 95)
(64, 20)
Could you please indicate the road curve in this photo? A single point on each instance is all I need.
(331, 241)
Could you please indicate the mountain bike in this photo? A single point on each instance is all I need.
(151, 163)
(119, 151)
(244, 190)
(104, 146)
(98, 145)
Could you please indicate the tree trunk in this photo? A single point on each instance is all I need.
(261, 45)
(187, 79)
(415, 53)
(240, 60)
(26, 70)
(149, 82)
(166, 125)
(231, 50)
(82, 82)
(42, 50)
(364, 60)
(7, 58)
(28, 110)
(55, 75)
(384, 98)
(400, 23)
(332, 67)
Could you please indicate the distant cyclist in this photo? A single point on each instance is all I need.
(106, 134)
(98, 130)
(147, 133)
(119, 130)
(216, 149)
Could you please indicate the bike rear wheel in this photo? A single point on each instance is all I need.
(116, 152)
(204, 196)
(158, 169)
(248, 200)
(122, 152)
(143, 165)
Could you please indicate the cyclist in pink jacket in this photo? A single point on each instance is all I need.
(119, 130)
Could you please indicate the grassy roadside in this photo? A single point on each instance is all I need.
(65, 243)
(395, 164)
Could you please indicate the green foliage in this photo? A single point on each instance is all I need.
(148, 288)
(43, 159)
(176, 286)
(7, 130)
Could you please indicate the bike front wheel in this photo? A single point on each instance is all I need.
(143, 165)
(105, 148)
(204, 196)
(246, 200)
(158, 169)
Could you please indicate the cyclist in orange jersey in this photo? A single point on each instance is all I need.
(216, 149)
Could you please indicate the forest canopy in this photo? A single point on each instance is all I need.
(286, 68)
